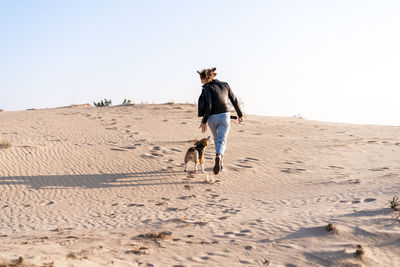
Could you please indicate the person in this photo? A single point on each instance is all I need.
(213, 107)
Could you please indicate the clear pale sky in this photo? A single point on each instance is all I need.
(327, 60)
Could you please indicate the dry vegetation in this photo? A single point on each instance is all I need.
(395, 205)
(331, 228)
(156, 235)
(360, 252)
(21, 263)
(4, 144)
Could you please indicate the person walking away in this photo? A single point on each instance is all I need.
(213, 107)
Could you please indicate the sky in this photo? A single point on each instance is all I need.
(325, 60)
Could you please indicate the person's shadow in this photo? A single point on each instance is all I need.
(134, 179)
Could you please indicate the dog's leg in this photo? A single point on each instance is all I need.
(196, 160)
(202, 163)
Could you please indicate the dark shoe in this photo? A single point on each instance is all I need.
(217, 166)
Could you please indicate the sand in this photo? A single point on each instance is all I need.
(86, 186)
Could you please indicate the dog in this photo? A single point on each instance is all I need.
(196, 153)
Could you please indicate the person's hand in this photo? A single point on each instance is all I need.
(240, 119)
(203, 127)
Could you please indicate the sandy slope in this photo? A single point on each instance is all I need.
(84, 185)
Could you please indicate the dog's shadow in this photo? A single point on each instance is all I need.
(134, 179)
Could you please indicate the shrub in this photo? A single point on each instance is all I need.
(5, 144)
(126, 101)
(102, 103)
(298, 116)
(395, 205)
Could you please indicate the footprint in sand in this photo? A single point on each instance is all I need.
(244, 166)
(379, 169)
(369, 199)
(117, 149)
(129, 147)
(135, 205)
(190, 175)
(147, 156)
(229, 233)
(335, 167)
(231, 211)
(187, 197)
(290, 170)
(137, 144)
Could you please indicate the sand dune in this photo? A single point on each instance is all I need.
(87, 186)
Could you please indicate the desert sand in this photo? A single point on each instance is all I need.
(86, 186)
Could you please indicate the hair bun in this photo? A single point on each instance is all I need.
(207, 74)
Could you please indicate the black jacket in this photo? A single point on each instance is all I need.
(214, 100)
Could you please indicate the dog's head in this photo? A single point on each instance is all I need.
(204, 142)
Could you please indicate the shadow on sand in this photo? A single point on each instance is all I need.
(150, 178)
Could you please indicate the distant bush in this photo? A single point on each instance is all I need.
(4, 144)
(103, 103)
(126, 101)
(298, 116)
